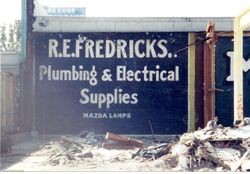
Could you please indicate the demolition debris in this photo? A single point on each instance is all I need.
(214, 148)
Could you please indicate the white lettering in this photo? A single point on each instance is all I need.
(137, 48)
(98, 48)
(122, 74)
(120, 48)
(66, 47)
(108, 99)
(78, 47)
(42, 71)
(246, 65)
(110, 49)
(85, 97)
(150, 48)
(53, 48)
(49, 73)
(163, 48)
(89, 51)
(121, 44)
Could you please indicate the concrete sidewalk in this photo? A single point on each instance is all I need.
(21, 151)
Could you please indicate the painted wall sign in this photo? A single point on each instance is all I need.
(224, 78)
(65, 11)
(111, 82)
(71, 10)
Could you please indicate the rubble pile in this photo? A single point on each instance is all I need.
(66, 151)
(220, 148)
(214, 148)
(88, 137)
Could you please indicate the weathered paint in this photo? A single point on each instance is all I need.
(164, 103)
(209, 88)
(244, 19)
(126, 24)
(241, 23)
(191, 83)
(9, 100)
(199, 81)
(224, 79)
(238, 73)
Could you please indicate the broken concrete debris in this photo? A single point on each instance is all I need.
(217, 149)
(247, 121)
(87, 155)
(89, 137)
(69, 150)
(214, 146)
(224, 147)
(153, 152)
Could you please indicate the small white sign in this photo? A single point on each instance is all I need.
(44, 10)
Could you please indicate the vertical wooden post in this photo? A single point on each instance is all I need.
(191, 83)
(241, 23)
(209, 85)
(238, 71)
(29, 97)
(199, 82)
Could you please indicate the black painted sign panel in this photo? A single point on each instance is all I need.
(224, 79)
(111, 82)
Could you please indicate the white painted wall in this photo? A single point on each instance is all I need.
(69, 24)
